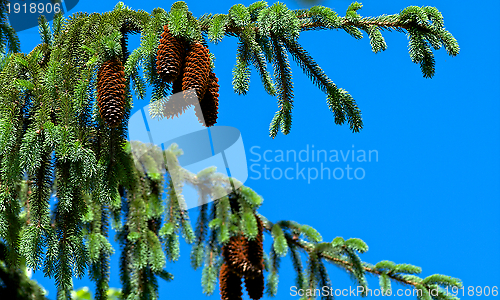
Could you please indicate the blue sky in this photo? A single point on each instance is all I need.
(432, 197)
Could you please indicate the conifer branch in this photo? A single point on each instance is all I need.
(395, 24)
(51, 114)
(283, 75)
(312, 251)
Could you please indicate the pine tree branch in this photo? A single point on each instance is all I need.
(234, 30)
(100, 165)
(309, 248)
(369, 22)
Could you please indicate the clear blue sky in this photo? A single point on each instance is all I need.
(431, 199)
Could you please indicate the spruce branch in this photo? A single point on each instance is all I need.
(419, 22)
(49, 116)
(283, 76)
(395, 271)
(309, 21)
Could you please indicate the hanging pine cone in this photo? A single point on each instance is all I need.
(245, 258)
(254, 278)
(111, 92)
(209, 105)
(255, 287)
(196, 69)
(177, 85)
(256, 248)
(235, 254)
(177, 103)
(170, 56)
(230, 284)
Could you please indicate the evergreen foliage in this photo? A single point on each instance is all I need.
(9, 41)
(15, 283)
(55, 144)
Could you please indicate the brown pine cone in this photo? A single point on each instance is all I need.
(177, 103)
(254, 278)
(177, 85)
(255, 286)
(208, 110)
(196, 69)
(170, 56)
(235, 254)
(174, 107)
(256, 250)
(111, 92)
(230, 284)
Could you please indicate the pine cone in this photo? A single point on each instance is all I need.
(177, 85)
(174, 107)
(178, 104)
(196, 69)
(254, 278)
(170, 56)
(255, 287)
(235, 254)
(111, 92)
(209, 105)
(256, 250)
(230, 284)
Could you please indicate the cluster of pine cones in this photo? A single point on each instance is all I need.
(243, 258)
(111, 92)
(187, 66)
